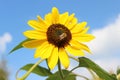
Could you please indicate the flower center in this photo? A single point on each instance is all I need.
(58, 35)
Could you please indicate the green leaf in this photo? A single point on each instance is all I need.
(41, 71)
(85, 62)
(19, 46)
(56, 76)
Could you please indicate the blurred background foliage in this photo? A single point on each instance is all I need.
(3, 69)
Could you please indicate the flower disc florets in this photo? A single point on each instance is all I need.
(58, 35)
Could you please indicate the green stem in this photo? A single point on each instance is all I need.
(74, 69)
(60, 70)
(78, 66)
(30, 70)
(71, 71)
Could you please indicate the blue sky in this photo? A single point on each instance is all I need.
(14, 15)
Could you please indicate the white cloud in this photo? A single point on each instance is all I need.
(6, 38)
(106, 45)
(105, 48)
(107, 39)
(109, 64)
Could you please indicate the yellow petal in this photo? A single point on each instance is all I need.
(33, 43)
(37, 25)
(79, 45)
(64, 59)
(42, 22)
(53, 59)
(43, 51)
(79, 27)
(34, 34)
(48, 18)
(83, 37)
(63, 18)
(74, 51)
(72, 23)
(48, 51)
(70, 18)
(55, 15)
(85, 30)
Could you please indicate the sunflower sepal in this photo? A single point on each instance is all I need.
(20, 45)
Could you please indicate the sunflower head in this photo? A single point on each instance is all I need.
(56, 36)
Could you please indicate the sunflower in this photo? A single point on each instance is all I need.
(57, 36)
